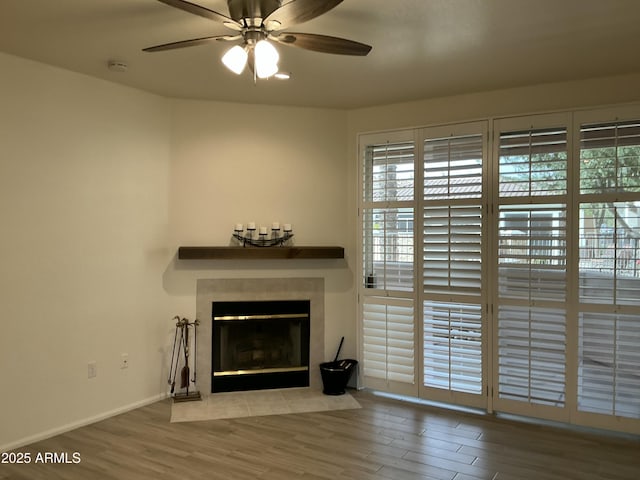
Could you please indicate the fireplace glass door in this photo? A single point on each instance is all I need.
(260, 345)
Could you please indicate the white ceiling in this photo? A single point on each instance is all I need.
(421, 48)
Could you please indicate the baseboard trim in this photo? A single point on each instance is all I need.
(81, 423)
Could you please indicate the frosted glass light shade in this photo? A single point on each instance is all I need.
(266, 59)
(235, 59)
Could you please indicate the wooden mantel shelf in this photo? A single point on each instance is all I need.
(259, 253)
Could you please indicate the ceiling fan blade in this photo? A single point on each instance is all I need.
(323, 43)
(229, 38)
(189, 43)
(298, 11)
(203, 12)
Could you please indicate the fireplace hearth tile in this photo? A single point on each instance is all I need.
(269, 409)
(309, 405)
(229, 405)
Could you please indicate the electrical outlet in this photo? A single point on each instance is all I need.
(124, 360)
(92, 369)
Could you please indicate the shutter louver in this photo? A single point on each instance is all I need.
(453, 168)
(609, 364)
(533, 163)
(453, 346)
(388, 339)
(389, 172)
(452, 249)
(532, 251)
(610, 158)
(388, 257)
(609, 252)
(531, 355)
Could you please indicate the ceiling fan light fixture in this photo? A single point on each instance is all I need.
(266, 59)
(235, 59)
(256, 21)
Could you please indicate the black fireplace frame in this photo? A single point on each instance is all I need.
(245, 380)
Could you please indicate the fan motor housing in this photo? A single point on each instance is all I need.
(239, 9)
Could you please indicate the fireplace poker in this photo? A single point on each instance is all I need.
(184, 374)
(173, 367)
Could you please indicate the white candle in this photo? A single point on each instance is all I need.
(275, 226)
(287, 227)
(263, 230)
(239, 227)
(251, 226)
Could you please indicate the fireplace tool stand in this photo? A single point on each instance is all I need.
(181, 349)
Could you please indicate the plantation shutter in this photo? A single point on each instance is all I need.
(452, 249)
(532, 252)
(388, 264)
(453, 346)
(608, 380)
(532, 343)
(389, 172)
(609, 157)
(387, 215)
(452, 252)
(523, 295)
(609, 270)
(532, 269)
(388, 339)
(388, 258)
(533, 163)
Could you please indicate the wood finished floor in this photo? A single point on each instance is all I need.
(386, 439)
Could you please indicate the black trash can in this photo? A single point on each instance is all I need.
(336, 375)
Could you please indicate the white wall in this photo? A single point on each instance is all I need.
(235, 163)
(84, 170)
(513, 101)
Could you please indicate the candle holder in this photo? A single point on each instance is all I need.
(276, 240)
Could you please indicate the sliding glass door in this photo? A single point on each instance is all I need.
(500, 265)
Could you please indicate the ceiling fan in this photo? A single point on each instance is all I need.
(256, 23)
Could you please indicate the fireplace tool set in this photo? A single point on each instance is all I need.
(181, 350)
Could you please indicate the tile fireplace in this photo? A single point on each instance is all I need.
(299, 341)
